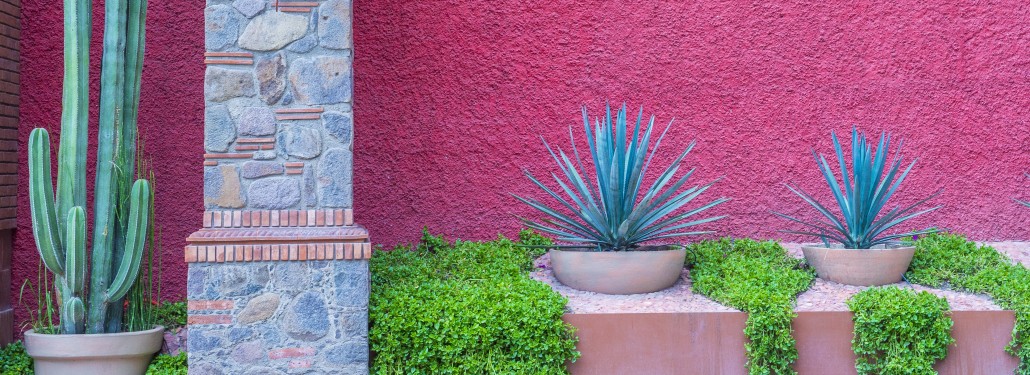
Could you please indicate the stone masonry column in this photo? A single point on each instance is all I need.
(278, 275)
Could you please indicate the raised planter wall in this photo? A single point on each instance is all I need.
(278, 276)
(712, 343)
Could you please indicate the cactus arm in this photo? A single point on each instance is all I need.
(126, 135)
(75, 260)
(71, 158)
(72, 309)
(72, 316)
(104, 192)
(135, 241)
(135, 29)
(45, 227)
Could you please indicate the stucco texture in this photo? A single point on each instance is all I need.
(452, 96)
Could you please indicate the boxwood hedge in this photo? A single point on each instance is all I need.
(466, 307)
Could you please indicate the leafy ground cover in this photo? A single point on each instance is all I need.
(466, 307)
(762, 280)
(899, 331)
(951, 261)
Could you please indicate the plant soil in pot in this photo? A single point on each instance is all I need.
(862, 267)
(611, 211)
(127, 353)
(618, 272)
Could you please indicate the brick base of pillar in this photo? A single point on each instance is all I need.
(278, 299)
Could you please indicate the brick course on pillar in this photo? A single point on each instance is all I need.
(278, 274)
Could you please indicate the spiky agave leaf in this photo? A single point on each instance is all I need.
(861, 196)
(611, 209)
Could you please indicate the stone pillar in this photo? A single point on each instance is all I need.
(278, 275)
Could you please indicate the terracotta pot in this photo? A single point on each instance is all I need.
(618, 272)
(127, 353)
(862, 267)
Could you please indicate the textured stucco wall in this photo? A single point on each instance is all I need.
(450, 97)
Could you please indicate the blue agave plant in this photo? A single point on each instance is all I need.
(866, 190)
(614, 211)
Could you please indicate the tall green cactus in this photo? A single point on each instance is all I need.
(121, 206)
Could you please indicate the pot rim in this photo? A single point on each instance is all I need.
(156, 328)
(822, 247)
(676, 248)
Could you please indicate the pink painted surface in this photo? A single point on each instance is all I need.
(451, 97)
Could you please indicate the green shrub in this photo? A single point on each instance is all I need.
(164, 364)
(762, 280)
(949, 260)
(170, 314)
(899, 331)
(467, 307)
(14, 360)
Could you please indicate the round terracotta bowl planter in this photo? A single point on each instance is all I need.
(618, 272)
(127, 353)
(862, 267)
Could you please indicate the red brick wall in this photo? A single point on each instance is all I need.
(10, 34)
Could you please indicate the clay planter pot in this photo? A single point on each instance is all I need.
(862, 267)
(618, 272)
(126, 353)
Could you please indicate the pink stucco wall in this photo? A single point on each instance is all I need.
(451, 97)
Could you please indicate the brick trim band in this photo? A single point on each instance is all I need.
(295, 6)
(228, 58)
(279, 218)
(278, 252)
(209, 236)
(278, 235)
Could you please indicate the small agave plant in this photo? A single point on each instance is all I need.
(605, 204)
(861, 196)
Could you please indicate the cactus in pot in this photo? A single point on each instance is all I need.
(121, 205)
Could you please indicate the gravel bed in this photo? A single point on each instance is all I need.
(822, 296)
(678, 298)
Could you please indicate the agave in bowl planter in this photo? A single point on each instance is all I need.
(610, 211)
(89, 337)
(862, 251)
